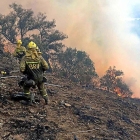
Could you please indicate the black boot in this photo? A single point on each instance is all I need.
(46, 100)
(32, 99)
(28, 99)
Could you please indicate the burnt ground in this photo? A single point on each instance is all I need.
(73, 111)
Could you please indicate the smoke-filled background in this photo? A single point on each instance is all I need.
(106, 29)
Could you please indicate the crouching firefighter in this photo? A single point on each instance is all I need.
(33, 66)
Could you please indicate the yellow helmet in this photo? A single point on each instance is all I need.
(39, 53)
(3, 72)
(37, 48)
(19, 42)
(31, 45)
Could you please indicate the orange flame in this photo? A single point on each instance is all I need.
(9, 49)
(5, 49)
(117, 90)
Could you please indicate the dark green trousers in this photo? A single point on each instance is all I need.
(41, 88)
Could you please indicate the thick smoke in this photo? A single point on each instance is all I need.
(99, 27)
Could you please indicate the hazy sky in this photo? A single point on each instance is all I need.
(102, 28)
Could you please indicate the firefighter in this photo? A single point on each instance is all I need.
(19, 51)
(48, 60)
(38, 51)
(33, 66)
(49, 63)
(3, 73)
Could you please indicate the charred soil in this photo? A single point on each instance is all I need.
(73, 112)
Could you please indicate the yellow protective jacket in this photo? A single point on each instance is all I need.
(33, 65)
(19, 52)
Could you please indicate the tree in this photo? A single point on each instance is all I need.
(124, 90)
(109, 79)
(112, 80)
(24, 19)
(76, 66)
(8, 27)
(48, 38)
(19, 22)
(1, 45)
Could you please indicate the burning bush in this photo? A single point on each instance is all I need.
(112, 80)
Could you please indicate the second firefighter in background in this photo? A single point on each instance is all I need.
(19, 51)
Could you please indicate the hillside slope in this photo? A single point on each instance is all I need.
(87, 114)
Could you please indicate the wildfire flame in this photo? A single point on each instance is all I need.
(113, 79)
(117, 90)
(9, 49)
